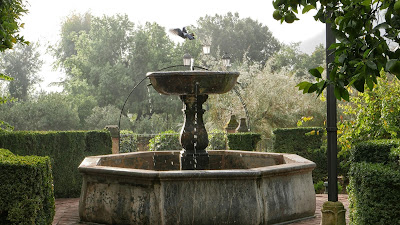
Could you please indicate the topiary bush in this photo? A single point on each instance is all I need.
(243, 141)
(26, 189)
(66, 149)
(374, 194)
(305, 142)
(168, 140)
(294, 140)
(374, 187)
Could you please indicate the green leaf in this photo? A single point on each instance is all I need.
(307, 8)
(334, 46)
(371, 64)
(342, 58)
(366, 2)
(5, 77)
(316, 72)
(345, 94)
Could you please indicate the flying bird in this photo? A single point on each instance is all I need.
(182, 33)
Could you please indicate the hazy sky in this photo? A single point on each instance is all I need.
(42, 23)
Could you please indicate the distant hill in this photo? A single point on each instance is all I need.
(308, 46)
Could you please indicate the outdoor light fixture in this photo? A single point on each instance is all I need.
(187, 59)
(206, 49)
(226, 60)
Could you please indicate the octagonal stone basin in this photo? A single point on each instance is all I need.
(184, 82)
(239, 188)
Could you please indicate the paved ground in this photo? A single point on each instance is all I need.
(67, 211)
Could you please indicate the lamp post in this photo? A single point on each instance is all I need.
(226, 60)
(188, 60)
(206, 49)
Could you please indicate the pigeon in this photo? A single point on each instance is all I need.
(182, 33)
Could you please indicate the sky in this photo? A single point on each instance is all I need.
(43, 21)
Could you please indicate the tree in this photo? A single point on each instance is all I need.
(47, 112)
(11, 12)
(290, 58)
(365, 30)
(22, 64)
(229, 33)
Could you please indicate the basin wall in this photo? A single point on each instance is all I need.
(259, 195)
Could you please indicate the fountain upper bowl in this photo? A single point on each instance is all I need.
(193, 82)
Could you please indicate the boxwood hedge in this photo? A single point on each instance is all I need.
(26, 189)
(66, 150)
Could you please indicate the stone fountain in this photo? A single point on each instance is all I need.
(193, 186)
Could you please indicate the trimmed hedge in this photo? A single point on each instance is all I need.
(243, 141)
(374, 188)
(167, 140)
(294, 140)
(375, 151)
(66, 149)
(26, 189)
(305, 142)
(374, 194)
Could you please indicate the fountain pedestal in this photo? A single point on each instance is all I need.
(194, 137)
(193, 88)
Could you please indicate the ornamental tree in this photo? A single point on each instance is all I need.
(368, 41)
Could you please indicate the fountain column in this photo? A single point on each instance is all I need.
(194, 137)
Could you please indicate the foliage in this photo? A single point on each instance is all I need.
(26, 189)
(217, 140)
(291, 59)
(237, 36)
(11, 12)
(243, 141)
(168, 140)
(66, 150)
(48, 112)
(373, 115)
(128, 141)
(364, 29)
(294, 140)
(22, 64)
(103, 116)
(375, 182)
(306, 142)
(374, 193)
(271, 99)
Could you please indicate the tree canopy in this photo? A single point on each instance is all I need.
(237, 36)
(367, 31)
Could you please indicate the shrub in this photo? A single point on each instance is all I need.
(26, 189)
(374, 194)
(376, 151)
(65, 149)
(294, 140)
(217, 140)
(168, 140)
(305, 142)
(243, 141)
(128, 141)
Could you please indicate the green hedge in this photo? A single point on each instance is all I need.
(26, 189)
(375, 151)
(374, 194)
(168, 140)
(128, 142)
(305, 142)
(294, 140)
(66, 150)
(374, 187)
(243, 141)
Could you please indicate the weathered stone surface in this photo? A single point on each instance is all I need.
(333, 213)
(149, 188)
